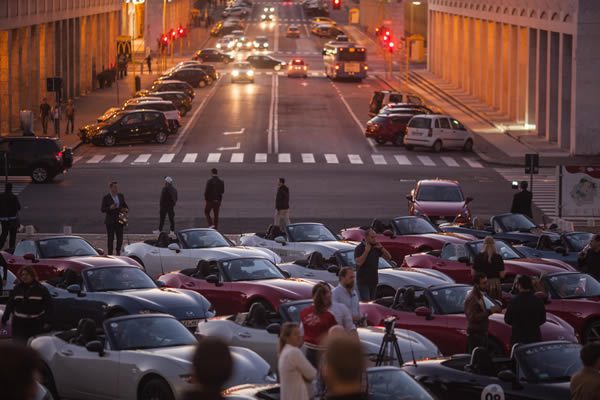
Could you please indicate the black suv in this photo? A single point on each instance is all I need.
(126, 126)
(195, 77)
(42, 158)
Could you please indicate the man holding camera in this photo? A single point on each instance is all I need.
(477, 313)
(367, 255)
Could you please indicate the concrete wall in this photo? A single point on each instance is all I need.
(521, 60)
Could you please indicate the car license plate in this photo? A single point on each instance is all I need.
(190, 323)
(352, 67)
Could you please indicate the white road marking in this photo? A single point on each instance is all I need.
(213, 157)
(241, 131)
(77, 159)
(142, 158)
(166, 158)
(355, 118)
(260, 158)
(236, 147)
(119, 158)
(426, 160)
(402, 160)
(284, 158)
(190, 157)
(95, 159)
(237, 158)
(308, 158)
(331, 159)
(378, 159)
(354, 159)
(449, 161)
(472, 162)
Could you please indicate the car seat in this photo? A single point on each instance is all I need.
(378, 226)
(257, 317)
(163, 239)
(86, 332)
(69, 278)
(316, 260)
(481, 362)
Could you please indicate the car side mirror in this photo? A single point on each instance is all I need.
(212, 279)
(286, 274)
(333, 269)
(388, 233)
(423, 312)
(31, 257)
(100, 251)
(74, 289)
(95, 346)
(274, 329)
(280, 240)
(468, 200)
(506, 375)
(174, 247)
(464, 260)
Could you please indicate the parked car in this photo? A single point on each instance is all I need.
(235, 12)
(213, 55)
(388, 128)
(561, 246)
(177, 86)
(165, 106)
(180, 100)
(440, 200)
(209, 69)
(326, 30)
(109, 113)
(265, 61)
(128, 126)
(383, 97)
(41, 158)
(195, 77)
(405, 108)
(437, 132)
(293, 31)
(322, 20)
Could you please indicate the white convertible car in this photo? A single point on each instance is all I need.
(298, 240)
(187, 248)
(139, 357)
(259, 332)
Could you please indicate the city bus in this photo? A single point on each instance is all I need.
(345, 60)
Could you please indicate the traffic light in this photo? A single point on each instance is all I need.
(164, 40)
(337, 4)
(391, 46)
(181, 31)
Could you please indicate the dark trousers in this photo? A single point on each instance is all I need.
(23, 328)
(45, 119)
(163, 213)
(366, 291)
(70, 124)
(214, 206)
(113, 230)
(476, 339)
(9, 229)
(56, 123)
(313, 356)
(149, 67)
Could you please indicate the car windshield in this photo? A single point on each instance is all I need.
(348, 260)
(577, 241)
(395, 384)
(291, 312)
(203, 239)
(250, 269)
(516, 223)
(507, 252)
(310, 233)
(413, 226)
(573, 286)
(447, 194)
(149, 333)
(65, 247)
(553, 362)
(114, 279)
(451, 300)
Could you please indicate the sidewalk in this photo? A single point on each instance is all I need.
(496, 139)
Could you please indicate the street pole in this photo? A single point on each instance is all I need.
(133, 44)
(164, 58)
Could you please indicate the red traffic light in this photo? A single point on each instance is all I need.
(337, 4)
(391, 46)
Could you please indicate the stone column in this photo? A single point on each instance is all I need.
(504, 67)
(532, 77)
(522, 74)
(490, 32)
(513, 63)
(541, 83)
(34, 64)
(76, 57)
(5, 81)
(553, 83)
(43, 60)
(565, 90)
(15, 79)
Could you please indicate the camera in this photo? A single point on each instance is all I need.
(515, 184)
(389, 324)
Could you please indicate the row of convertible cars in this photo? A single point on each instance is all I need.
(143, 302)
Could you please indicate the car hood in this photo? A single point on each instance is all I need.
(91, 128)
(555, 328)
(295, 289)
(440, 208)
(101, 261)
(181, 354)
(410, 343)
(421, 277)
(221, 253)
(182, 304)
(539, 264)
(449, 237)
(327, 248)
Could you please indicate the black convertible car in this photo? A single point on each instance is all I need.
(106, 292)
(539, 371)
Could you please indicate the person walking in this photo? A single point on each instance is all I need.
(168, 199)
(9, 210)
(282, 205)
(521, 203)
(344, 369)
(589, 258)
(55, 115)
(29, 304)
(367, 255)
(345, 293)
(525, 313)
(491, 264)
(585, 384)
(295, 372)
(45, 114)
(70, 114)
(478, 314)
(212, 367)
(116, 209)
(213, 195)
(149, 62)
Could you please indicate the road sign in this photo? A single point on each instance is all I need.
(532, 164)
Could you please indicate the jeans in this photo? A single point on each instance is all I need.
(366, 292)
(9, 229)
(214, 206)
(45, 119)
(476, 340)
(113, 230)
(282, 219)
(70, 124)
(167, 212)
(56, 123)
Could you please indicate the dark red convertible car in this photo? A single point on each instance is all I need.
(456, 259)
(234, 285)
(406, 235)
(440, 200)
(53, 255)
(438, 314)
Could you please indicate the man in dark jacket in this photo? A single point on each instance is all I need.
(525, 313)
(168, 199)
(116, 209)
(522, 201)
(589, 258)
(9, 208)
(213, 195)
(477, 313)
(282, 205)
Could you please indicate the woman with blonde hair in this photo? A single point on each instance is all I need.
(295, 372)
(490, 263)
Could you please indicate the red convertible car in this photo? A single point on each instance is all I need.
(575, 297)
(406, 235)
(438, 314)
(455, 260)
(440, 200)
(234, 285)
(53, 255)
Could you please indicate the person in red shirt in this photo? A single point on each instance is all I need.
(316, 322)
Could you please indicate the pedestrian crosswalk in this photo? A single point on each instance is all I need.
(281, 158)
(545, 187)
(19, 183)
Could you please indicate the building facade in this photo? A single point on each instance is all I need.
(535, 61)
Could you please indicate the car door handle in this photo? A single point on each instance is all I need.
(245, 335)
(66, 353)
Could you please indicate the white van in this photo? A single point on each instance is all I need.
(437, 132)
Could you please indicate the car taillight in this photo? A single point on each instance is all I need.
(58, 156)
(366, 67)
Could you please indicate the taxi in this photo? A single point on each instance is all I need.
(297, 68)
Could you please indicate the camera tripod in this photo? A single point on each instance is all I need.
(389, 339)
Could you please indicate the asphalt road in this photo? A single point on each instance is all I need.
(309, 131)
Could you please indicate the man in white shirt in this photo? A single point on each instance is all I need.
(345, 293)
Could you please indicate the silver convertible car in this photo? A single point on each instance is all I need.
(139, 357)
(259, 332)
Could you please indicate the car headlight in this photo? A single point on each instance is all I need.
(250, 73)
(272, 9)
(263, 16)
(265, 44)
(235, 72)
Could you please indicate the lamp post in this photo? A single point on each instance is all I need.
(164, 24)
(410, 37)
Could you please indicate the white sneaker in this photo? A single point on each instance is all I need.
(156, 232)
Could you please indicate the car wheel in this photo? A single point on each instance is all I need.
(380, 141)
(155, 389)
(264, 303)
(182, 111)
(40, 174)
(48, 381)
(468, 146)
(398, 140)
(409, 147)
(592, 332)
(110, 140)
(161, 137)
(201, 84)
(437, 146)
